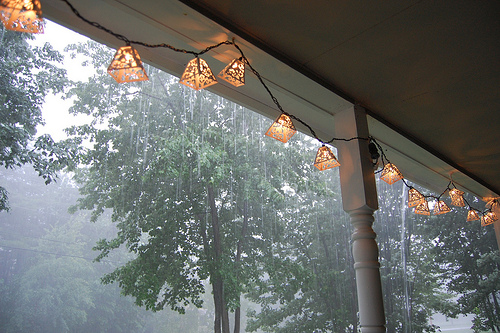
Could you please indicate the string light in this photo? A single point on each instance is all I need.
(127, 66)
(441, 208)
(234, 73)
(488, 218)
(390, 174)
(423, 208)
(414, 197)
(457, 197)
(198, 76)
(282, 129)
(325, 159)
(22, 15)
(492, 203)
(473, 215)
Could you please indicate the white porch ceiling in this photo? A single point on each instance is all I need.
(428, 72)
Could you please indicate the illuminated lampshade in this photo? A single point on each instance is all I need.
(22, 15)
(441, 208)
(127, 66)
(473, 215)
(414, 197)
(198, 75)
(492, 203)
(282, 129)
(423, 208)
(457, 197)
(325, 159)
(234, 73)
(390, 174)
(488, 218)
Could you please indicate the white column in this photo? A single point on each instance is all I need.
(359, 198)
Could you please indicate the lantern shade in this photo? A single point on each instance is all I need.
(457, 198)
(234, 73)
(492, 202)
(282, 129)
(22, 15)
(441, 208)
(423, 208)
(473, 215)
(198, 75)
(488, 218)
(414, 197)
(127, 66)
(390, 174)
(325, 159)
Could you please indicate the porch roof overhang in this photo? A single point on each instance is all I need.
(427, 72)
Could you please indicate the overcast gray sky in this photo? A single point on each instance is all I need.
(55, 109)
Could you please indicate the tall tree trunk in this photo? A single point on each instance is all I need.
(237, 320)
(221, 315)
(241, 242)
(225, 314)
(218, 299)
(497, 307)
(215, 292)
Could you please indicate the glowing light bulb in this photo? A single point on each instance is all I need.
(390, 174)
(325, 159)
(282, 129)
(127, 66)
(22, 15)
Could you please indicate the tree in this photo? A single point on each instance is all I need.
(27, 74)
(469, 262)
(48, 282)
(308, 283)
(182, 172)
(410, 279)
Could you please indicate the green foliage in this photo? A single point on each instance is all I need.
(27, 75)
(470, 267)
(412, 288)
(163, 149)
(309, 275)
(53, 297)
(48, 282)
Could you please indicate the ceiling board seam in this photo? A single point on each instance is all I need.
(363, 31)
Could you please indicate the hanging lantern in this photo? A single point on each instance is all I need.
(488, 218)
(423, 208)
(282, 129)
(473, 215)
(127, 66)
(198, 75)
(492, 203)
(22, 15)
(414, 197)
(441, 208)
(234, 73)
(325, 159)
(390, 174)
(457, 197)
